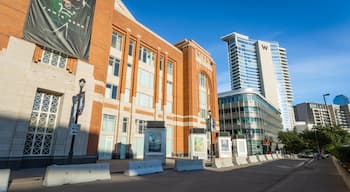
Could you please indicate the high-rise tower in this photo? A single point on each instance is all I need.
(263, 66)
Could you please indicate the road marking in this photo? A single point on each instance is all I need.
(283, 166)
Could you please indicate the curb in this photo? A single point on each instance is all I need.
(342, 172)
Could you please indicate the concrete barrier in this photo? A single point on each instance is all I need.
(274, 156)
(279, 156)
(4, 179)
(253, 159)
(287, 156)
(241, 160)
(269, 157)
(223, 162)
(144, 167)
(189, 165)
(262, 158)
(69, 174)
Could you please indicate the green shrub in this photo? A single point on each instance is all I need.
(342, 153)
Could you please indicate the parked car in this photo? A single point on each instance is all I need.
(305, 155)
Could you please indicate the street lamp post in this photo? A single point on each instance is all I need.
(325, 103)
(81, 85)
(211, 137)
(324, 98)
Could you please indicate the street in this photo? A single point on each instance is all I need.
(282, 175)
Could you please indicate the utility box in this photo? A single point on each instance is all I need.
(197, 140)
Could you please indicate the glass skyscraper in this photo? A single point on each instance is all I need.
(341, 100)
(262, 66)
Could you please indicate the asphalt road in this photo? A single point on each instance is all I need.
(282, 175)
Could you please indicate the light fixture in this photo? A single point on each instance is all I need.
(82, 82)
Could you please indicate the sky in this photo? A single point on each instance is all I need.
(316, 35)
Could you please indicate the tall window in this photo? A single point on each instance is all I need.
(146, 56)
(111, 91)
(108, 123)
(125, 124)
(42, 123)
(203, 96)
(169, 107)
(131, 47)
(128, 83)
(169, 97)
(145, 79)
(160, 91)
(160, 86)
(161, 63)
(144, 100)
(54, 58)
(117, 40)
(113, 67)
(170, 68)
(202, 81)
(169, 89)
(140, 125)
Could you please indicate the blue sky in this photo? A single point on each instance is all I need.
(316, 35)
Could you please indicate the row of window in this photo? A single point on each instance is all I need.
(145, 55)
(247, 97)
(109, 123)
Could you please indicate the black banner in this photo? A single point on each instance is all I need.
(62, 25)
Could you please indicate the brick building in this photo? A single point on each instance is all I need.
(132, 76)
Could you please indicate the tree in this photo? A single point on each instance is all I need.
(319, 139)
(292, 142)
(325, 138)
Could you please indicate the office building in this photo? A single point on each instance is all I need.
(132, 76)
(246, 113)
(338, 116)
(262, 66)
(316, 114)
(313, 113)
(346, 111)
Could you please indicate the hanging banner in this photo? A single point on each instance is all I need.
(62, 25)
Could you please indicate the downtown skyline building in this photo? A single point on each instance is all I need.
(319, 114)
(262, 66)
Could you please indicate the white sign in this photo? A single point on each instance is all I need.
(75, 129)
(225, 147)
(155, 144)
(198, 146)
(240, 147)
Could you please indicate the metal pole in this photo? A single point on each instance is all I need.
(211, 142)
(70, 155)
(325, 103)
